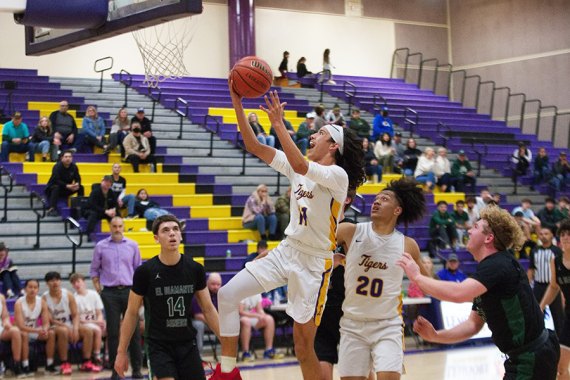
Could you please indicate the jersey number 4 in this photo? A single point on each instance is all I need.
(176, 307)
(369, 287)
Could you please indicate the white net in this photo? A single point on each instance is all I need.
(162, 48)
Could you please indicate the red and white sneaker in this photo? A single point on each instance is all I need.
(88, 366)
(65, 368)
(219, 375)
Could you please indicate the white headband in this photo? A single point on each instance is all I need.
(337, 135)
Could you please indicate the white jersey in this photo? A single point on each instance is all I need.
(250, 303)
(88, 304)
(316, 202)
(31, 316)
(372, 280)
(60, 312)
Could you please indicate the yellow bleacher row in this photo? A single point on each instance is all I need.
(229, 117)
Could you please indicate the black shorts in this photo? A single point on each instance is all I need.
(538, 365)
(180, 360)
(564, 337)
(328, 335)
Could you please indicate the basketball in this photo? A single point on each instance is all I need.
(252, 77)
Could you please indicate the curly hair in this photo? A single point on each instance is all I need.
(410, 197)
(507, 232)
(352, 160)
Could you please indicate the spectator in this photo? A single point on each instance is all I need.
(146, 128)
(262, 137)
(442, 171)
(425, 169)
(102, 204)
(541, 172)
(148, 209)
(90, 310)
(64, 126)
(521, 159)
(451, 272)
(119, 188)
(411, 155)
(119, 130)
(549, 216)
(44, 141)
(11, 285)
(462, 223)
(137, 148)
(302, 143)
(462, 173)
(16, 138)
(528, 215)
(326, 75)
(282, 210)
(260, 252)
(519, 218)
(29, 311)
(483, 199)
(93, 130)
(283, 65)
(560, 173)
(372, 166)
(497, 198)
(252, 315)
(564, 206)
(335, 116)
(112, 267)
(472, 211)
(305, 130)
(302, 68)
(399, 148)
(214, 283)
(359, 125)
(382, 124)
(384, 152)
(319, 117)
(64, 181)
(442, 228)
(259, 213)
(10, 333)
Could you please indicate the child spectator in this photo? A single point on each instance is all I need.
(462, 223)
(326, 75)
(283, 65)
(11, 285)
(119, 130)
(44, 140)
(385, 152)
(302, 68)
(148, 209)
(259, 213)
(252, 315)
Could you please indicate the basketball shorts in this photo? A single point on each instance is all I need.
(564, 337)
(366, 345)
(179, 360)
(327, 337)
(306, 276)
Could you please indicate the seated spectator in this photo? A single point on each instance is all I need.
(259, 213)
(252, 315)
(260, 252)
(472, 210)
(44, 141)
(119, 188)
(302, 68)
(541, 168)
(10, 333)
(528, 215)
(64, 181)
(521, 158)
(319, 117)
(549, 216)
(384, 152)
(90, 309)
(560, 173)
(283, 65)
(11, 285)
(63, 124)
(147, 208)
(29, 311)
(137, 148)
(381, 124)
(359, 125)
(442, 228)
(335, 116)
(101, 204)
(399, 147)
(305, 130)
(442, 171)
(16, 138)
(451, 272)
(519, 217)
(483, 199)
(463, 174)
(462, 223)
(372, 167)
(302, 144)
(564, 206)
(214, 283)
(93, 130)
(410, 158)
(282, 210)
(425, 169)
(119, 130)
(262, 137)
(146, 129)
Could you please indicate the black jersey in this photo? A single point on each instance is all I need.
(563, 280)
(168, 292)
(508, 306)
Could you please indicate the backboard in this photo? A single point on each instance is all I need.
(124, 16)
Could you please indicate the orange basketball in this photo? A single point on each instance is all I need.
(252, 77)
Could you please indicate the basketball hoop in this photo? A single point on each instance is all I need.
(162, 49)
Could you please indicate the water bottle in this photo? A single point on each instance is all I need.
(228, 253)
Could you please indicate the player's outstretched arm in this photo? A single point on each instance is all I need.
(209, 311)
(552, 290)
(130, 322)
(459, 333)
(252, 145)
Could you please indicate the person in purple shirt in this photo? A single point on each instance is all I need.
(214, 283)
(451, 271)
(114, 262)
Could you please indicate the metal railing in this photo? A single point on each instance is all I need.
(412, 123)
(375, 105)
(127, 82)
(7, 187)
(76, 240)
(350, 95)
(212, 132)
(40, 214)
(102, 70)
(321, 75)
(181, 114)
(155, 97)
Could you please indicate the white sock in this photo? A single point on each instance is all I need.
(49, 361)
(227, 364)
(25, 363)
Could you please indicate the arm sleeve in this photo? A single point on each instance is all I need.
(94, 270)
(200, 273)
(140, 281)
(281, 164)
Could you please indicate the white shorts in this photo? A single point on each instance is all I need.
(306, 276)
(377, 345)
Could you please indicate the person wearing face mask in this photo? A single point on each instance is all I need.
(137, 148)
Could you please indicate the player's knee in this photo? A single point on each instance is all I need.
(226, 298)
(303, 349)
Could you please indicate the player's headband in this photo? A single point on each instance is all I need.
(337, 135)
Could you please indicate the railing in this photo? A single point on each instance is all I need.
(412, 123)
(322, 75)
(101, 70)
(349, 95)
(212, 133)
(155, 97)
(8, 187)
(127, 84)
(76, 240)
(375, 107)
(422, 63)
(40, 214)
(182, 115)
(440, 125)
(479, 153)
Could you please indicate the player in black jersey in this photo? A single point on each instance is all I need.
(166, 284)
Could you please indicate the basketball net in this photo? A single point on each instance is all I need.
(162, 49)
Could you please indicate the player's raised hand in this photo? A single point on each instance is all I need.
(407, 263)
(425, 329)
(235, 96)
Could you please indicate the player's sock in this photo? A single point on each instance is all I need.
(227, 364)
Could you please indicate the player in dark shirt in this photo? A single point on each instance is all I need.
(502, 298)
(166, 284)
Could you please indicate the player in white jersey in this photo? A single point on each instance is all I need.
(372, 327)
(303, 260)
(28, 311)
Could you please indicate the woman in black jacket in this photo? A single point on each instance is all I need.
(44, 141)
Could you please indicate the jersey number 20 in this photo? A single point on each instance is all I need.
(367, 286)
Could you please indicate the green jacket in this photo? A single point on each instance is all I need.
(439, 219)
(459, 168)
(361, 127)
(303, 131)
